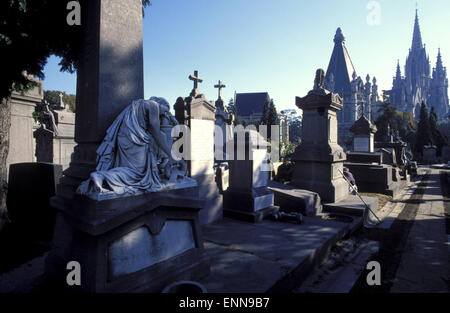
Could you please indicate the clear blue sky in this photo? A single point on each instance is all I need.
(272, 45)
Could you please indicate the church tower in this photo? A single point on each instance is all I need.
(439, 89)
(417, 86)
(417, 72)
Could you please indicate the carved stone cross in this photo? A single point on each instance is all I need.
(220, 86)
(196, 80)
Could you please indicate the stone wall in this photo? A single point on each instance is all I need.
(21, 141)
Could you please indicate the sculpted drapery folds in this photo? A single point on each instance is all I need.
(135, 155)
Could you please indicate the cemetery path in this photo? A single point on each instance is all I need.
(424, 266)
(414, 251)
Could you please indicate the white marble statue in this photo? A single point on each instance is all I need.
(135, 155)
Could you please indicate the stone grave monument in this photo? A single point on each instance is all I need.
(224, 122)
(367, 166)
(21, 142)
(248, 197)
(223, 134)
(319, 160)
(127, 214)
(198, 114)
(55, 137)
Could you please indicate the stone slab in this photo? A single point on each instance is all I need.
(245, 258)
(352, 205)
(268, 256)
(292, 199)
(252, 217)
(362, 157)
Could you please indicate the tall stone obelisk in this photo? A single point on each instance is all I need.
(110, 75)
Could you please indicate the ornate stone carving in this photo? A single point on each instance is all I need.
(135, 155)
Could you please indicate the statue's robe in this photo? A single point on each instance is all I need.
(128, 156)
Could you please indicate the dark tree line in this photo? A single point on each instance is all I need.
(426, 131)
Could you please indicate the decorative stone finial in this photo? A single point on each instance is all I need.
(339, 37)
(318, 81)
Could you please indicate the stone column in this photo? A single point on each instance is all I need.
(109, 77)
(319, 159)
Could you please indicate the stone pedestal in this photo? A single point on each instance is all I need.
(247, 197)
(132, 244)
(319, 159)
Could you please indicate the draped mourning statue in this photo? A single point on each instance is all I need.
(135, 155)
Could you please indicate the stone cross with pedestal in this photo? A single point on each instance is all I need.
(319, 159)
(224, 126)
(198, 114)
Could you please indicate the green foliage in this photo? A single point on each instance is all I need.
(403, 122)
(52, 97)
(439, 140)
(270, 117)
(287, 149)
(295, 130)
(423, 135)
(231, 108)
(30, 32)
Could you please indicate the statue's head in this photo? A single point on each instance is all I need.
(164, 106)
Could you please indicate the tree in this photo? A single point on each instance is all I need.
(401, 122)
(270, 116)
(385, 120)
(439, 140)
(423, 134)
(295, 130)
(231, 108)
(52, 97)
(30, 32)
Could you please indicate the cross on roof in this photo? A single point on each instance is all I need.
(196, 80)
(220, 86)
